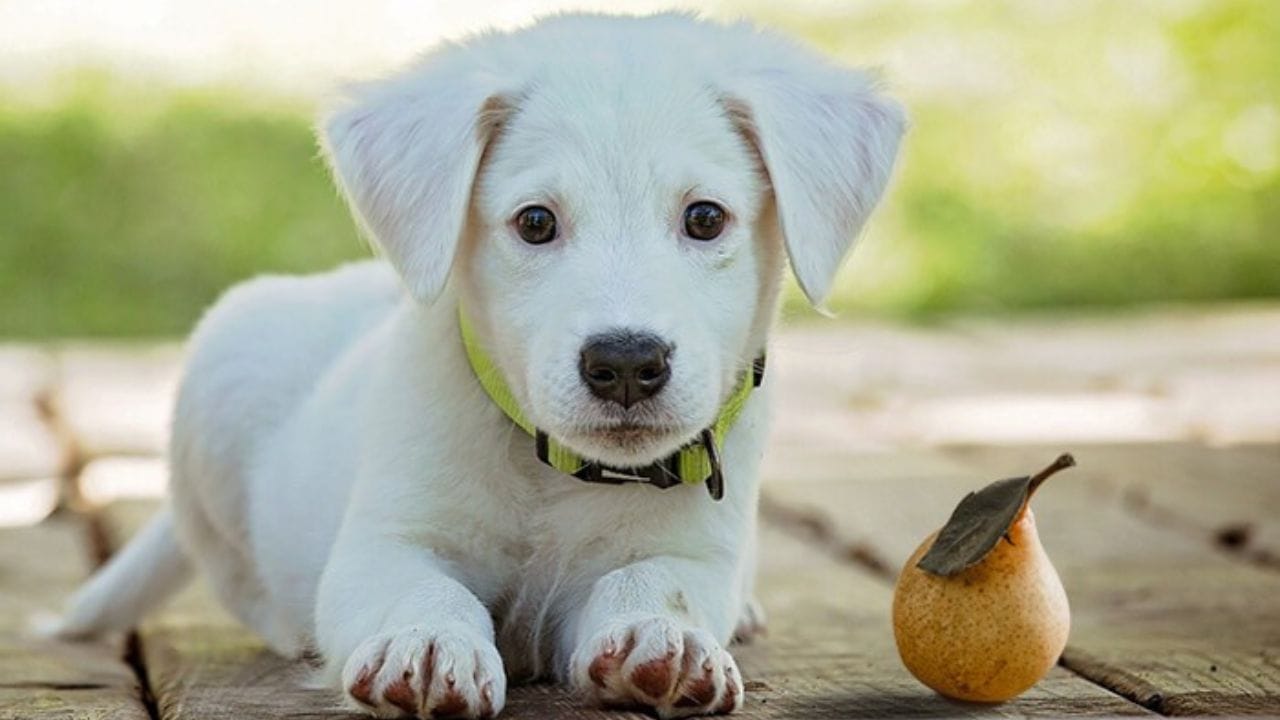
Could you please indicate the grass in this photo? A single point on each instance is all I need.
(123, 219)
(1056, 164)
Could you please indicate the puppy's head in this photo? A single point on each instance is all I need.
(612, 199)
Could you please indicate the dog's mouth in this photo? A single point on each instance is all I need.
(622, 437)
(627, 443)
(628, 433)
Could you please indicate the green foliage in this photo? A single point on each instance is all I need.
(1062, 155)
(129, 215)
(1071, 154)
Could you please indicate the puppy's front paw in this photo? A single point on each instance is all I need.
(416, 672)
(655, 662)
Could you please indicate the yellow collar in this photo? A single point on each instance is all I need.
(696, 462)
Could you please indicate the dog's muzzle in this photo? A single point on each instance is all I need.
(696, 462)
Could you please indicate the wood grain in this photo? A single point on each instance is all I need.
(39, 567)
(202, 664)
(1159, 615)
(28, 449)
(1229, 496)
(829, 654)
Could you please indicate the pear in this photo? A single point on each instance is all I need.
(979, 612)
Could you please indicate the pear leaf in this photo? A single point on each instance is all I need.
(981, 519)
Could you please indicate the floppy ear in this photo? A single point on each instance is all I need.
(828, 141)
(404, 152)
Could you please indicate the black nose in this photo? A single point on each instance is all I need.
(625, 367)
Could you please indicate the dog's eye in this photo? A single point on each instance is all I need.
(704, 220)
(536, 225)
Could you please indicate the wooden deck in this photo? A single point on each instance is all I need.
(1167, 536)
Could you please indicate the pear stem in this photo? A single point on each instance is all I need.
(1064, 461)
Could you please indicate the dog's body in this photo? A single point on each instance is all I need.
(346, 483)
(311, 372)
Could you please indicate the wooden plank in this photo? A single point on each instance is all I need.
(202, 664)
(39, 567)
(1158, 615)
(28, 447)
(116, 399)
(829, 653)
(1216, 622)
(1167, 375)
(27, 502)
(25, 371)
(1228, 496)
(69, 703)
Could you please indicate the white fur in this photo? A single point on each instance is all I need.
(346, 484)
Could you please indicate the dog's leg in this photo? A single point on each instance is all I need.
(410, 639)
(751, 622)
(652, 634)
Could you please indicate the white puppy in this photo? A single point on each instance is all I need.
(606, 203)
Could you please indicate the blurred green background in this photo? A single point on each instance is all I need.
(1062, 155)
